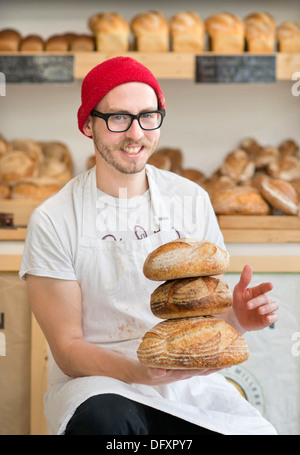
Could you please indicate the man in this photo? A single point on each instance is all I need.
(83, 265)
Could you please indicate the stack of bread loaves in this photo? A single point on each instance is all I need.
(190, 337)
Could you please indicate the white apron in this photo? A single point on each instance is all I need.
(116, 314)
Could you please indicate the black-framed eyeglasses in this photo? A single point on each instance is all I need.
(119, 122)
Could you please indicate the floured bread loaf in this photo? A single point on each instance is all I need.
(199, 342)
(281, 195)
(240, 200)
(188, 297)
(16, 164)
(238, 166)
(185, 258)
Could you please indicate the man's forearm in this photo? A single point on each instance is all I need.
(81, 358)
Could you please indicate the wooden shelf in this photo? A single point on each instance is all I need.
(165, 65)
(171, 65)
(12, 233)
(260, 229)
(21, 209)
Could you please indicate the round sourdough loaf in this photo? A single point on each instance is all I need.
(188, 297)
(199, 342)
(183, 258)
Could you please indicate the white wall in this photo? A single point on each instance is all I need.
(205, 121)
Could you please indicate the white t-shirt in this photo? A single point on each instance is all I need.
(125, 219)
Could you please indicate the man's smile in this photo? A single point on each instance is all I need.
(133, 150)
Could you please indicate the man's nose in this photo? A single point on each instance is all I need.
(135, 131)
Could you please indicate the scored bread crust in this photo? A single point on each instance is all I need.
(192, 343)
(188, 297)
(183, 258)
(281, 195)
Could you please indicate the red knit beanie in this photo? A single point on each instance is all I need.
(109, 74)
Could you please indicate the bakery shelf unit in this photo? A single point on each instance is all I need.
(165, 65)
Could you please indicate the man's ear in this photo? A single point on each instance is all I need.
(87, 127)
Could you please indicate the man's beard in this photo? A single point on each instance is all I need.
(132, 167)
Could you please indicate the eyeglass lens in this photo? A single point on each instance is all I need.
(147, 121)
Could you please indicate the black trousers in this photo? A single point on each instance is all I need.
(111, 414)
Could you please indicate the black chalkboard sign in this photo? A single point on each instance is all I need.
(235, 69)
(37, 69)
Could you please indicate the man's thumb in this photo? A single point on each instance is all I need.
(245, 278)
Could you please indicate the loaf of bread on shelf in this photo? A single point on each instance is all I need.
(111, 32)
(57, 151)
(238, 166)
(32, 43)
(151, 31)
(10, 40)
(82, 43)
(218, 183)
(56, 170)
(34, 188)
(184, 258)
(266, 156)
(281, 195)
(175, 155)
(289, 147)
(188, 297)
(250, 145)
(160, 161)
(288, 35)
(15, 165)
(4, 191)
(187, 31)
(57, 43)
(287, 168)
(256, 180)
(198, 342)
(240, 200)
(30, 147)
(226, 32)
(194, 175)
(260, 31)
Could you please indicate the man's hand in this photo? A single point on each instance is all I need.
(159, 376)
(253, 308)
